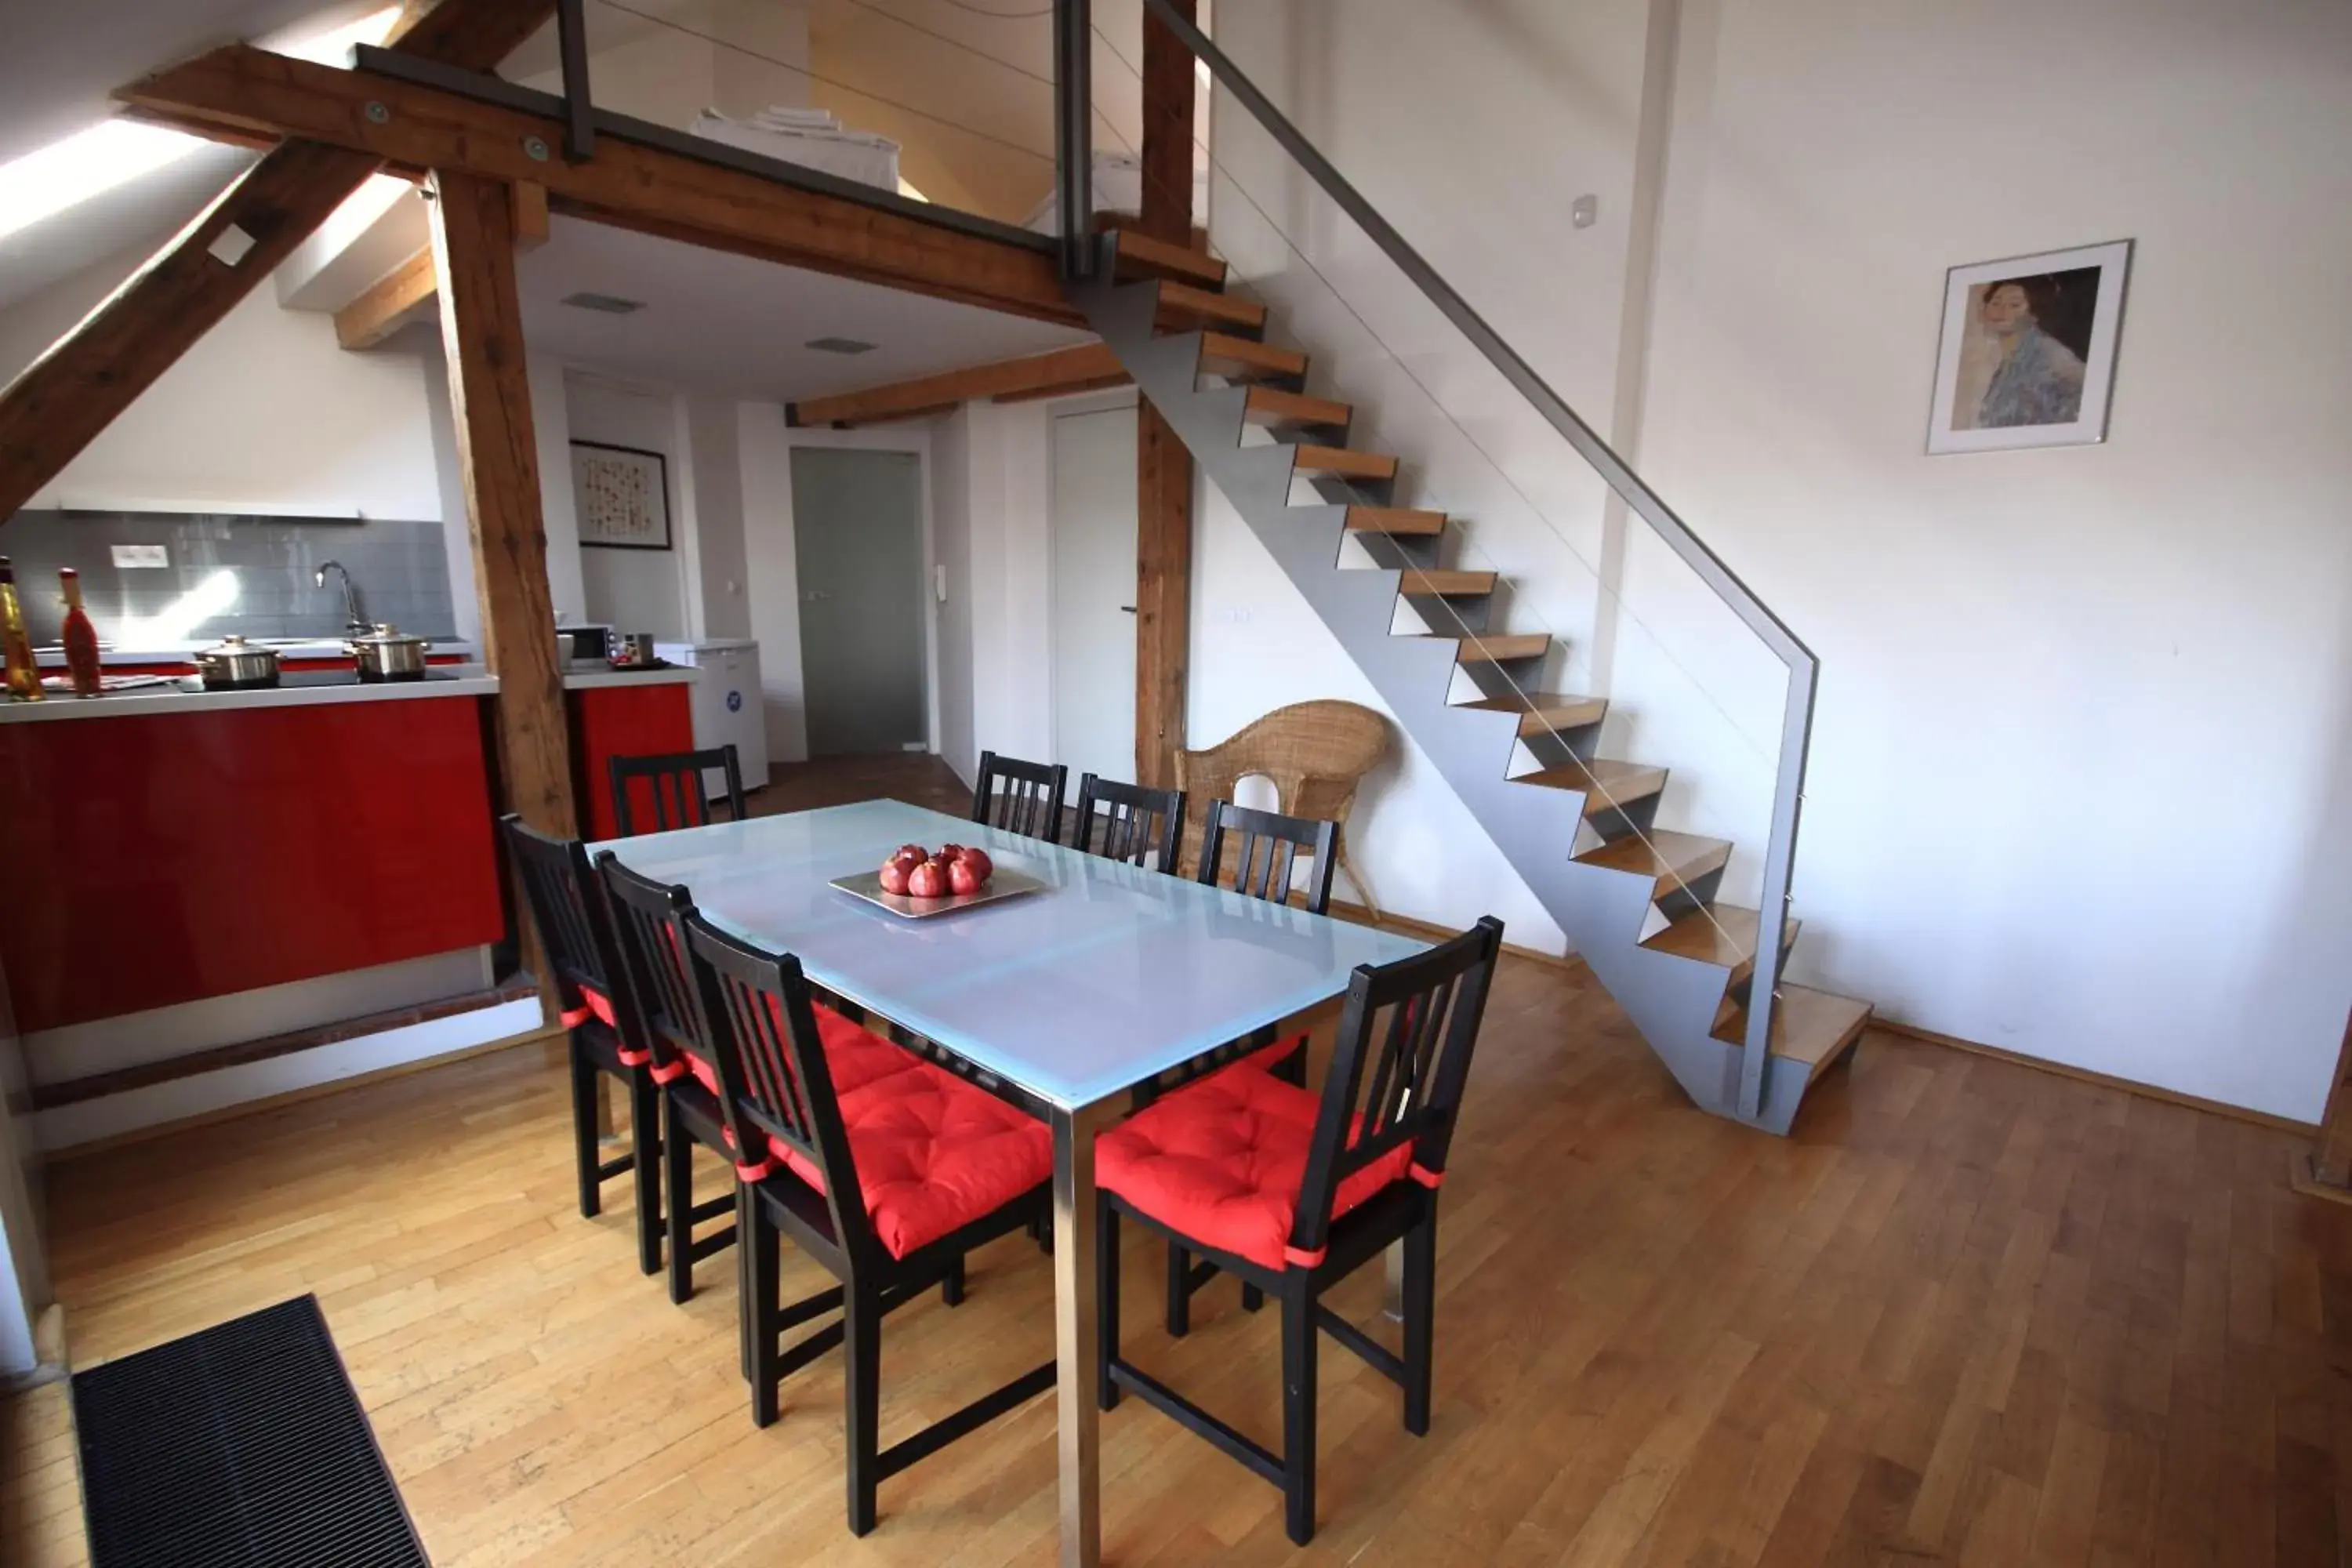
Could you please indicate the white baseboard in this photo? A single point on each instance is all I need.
(110, 1116)
(158, 1034)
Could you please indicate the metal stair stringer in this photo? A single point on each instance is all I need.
(1672, 1000)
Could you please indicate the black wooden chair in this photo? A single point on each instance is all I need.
(1019, 797)
(1327, 1184)
(688, 1080)
(1138, 824)
(599, 1010)
(950, 1167)
(1267, 849)
(670, 786)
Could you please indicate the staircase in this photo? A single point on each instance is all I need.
(1580, 829)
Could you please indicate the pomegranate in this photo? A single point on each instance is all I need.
(982, 867)
(910, 854)
(894, 875)
(928, 880)
(961, 877)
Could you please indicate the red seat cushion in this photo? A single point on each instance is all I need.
(857, 1055)
(932, 1153)
(1222, 1161)
(1267, 1058)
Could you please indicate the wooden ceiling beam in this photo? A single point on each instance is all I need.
(401, 296)
(1075, 369)
(627, 185)
(57, 405)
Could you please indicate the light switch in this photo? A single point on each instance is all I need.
(1584, 212)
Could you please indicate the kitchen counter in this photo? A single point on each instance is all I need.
(301, 689)
(593, 678)
(180, 850)
(51, 657)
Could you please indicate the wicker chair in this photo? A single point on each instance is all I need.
(1315, 755)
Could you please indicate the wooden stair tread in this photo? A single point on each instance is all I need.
(1494, 647)
(1670, 858)
(1239, 358)
(1394, 520)
(1140, 256)
(1718, 934)
(1541, 712)
(1344, 461)
(1807, 1025)
(1430, 580)
(1272, 405)
(1183, 307)
(1606, 783)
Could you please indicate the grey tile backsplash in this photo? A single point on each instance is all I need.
(401, 569)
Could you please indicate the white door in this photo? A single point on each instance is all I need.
(1094, 593)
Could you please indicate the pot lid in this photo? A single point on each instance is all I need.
(234, 646)
(390, 636)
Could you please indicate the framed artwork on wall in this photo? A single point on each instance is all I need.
(2029, 350)
(622, 495)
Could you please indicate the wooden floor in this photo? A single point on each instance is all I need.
(1970, 1313)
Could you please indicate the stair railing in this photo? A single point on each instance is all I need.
(1801, 666)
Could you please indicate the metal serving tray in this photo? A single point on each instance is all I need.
(1006, 883)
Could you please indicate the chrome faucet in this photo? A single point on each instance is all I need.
(354, 621)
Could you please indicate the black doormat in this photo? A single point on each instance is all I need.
(240, 1446)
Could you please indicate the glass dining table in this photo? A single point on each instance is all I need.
(1104, 978)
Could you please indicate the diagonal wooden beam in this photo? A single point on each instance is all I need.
(56, 405)
(1074, 368)
(629, 184)
(401, 296)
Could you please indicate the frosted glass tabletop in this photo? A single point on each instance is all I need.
(1109, 975)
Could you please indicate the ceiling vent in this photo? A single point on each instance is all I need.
(838, 347)
(610, 304)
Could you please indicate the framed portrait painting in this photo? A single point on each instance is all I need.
(2029, 350)
(622, 495)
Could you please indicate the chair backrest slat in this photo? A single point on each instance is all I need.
(1019, 797)
(670, 783)
(564, 908)
(1423, 1011)
(1267, 855)
(757, 1020)
(1141, 827)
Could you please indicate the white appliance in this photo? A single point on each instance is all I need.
(726, 709)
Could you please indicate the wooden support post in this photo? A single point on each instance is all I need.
(1163, 594)
(1163, 516)
(489, 396)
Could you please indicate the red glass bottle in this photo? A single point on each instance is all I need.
(80, 638)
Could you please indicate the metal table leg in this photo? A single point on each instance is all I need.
(1076, 1332)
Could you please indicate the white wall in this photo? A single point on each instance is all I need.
(714, 471)
(635, 589)
(2082, 777)
(264, 413)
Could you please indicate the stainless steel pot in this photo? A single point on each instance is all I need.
(388, 653)
(630, 649)
(233, 664)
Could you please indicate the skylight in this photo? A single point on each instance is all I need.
(65, 173)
